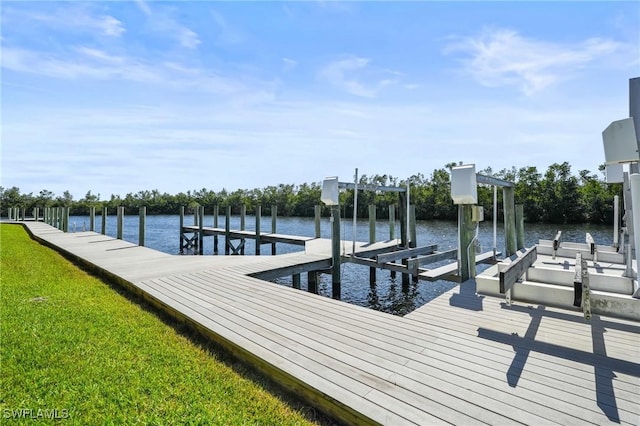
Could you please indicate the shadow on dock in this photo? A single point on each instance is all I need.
(605, 367)
(466, 297)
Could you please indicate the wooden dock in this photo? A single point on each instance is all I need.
(460, 359)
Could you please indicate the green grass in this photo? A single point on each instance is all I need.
(70, 341)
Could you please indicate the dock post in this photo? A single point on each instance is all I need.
(616, 221)
(510, 242)
(372, 239)
(195, 224)
(65, 218)
(335, 251)
(120, 222)
(215, 225)
(403, 232)
(296, 281)
(466, 231)
(103, 221)
(274, 214)
(258, 216)
(142, 219)
(181, 229)
(24, 213)
(227, 231)
(519, 226)
(201, 230)
(412, 233)
(317, 210)
(392, 229)
(58, 218)
(312, 282)
(36, 212)
(243, 213)
(92, 219)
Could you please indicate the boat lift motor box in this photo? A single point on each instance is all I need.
(464, 188)
(477, 214)
(620, 142)
(330, 191)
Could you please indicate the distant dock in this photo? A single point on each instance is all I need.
(460, 359)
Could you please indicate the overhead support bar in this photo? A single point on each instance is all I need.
(370, 187)
(488, 180)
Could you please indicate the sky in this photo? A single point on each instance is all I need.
(118, 97)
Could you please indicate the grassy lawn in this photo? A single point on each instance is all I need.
(70, 342)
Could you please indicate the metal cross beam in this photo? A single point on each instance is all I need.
(488, 180)
(370, 187)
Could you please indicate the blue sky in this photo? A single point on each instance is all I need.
(118, 97)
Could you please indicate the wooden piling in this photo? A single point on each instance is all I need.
(296, 281)
(227, 229)
(181, 229)
(258, 216)
(413, 238)
(317, 210)
(403, 233)
(372, 239)
(392, 229)
(509, 221)
(312, 282)
(466, 231)
(274, 214)
(215, 225)
(335, 252)
(65, 218)
(142, 224)
(103, 221)
(243, 213)
(392, 221)
(200, 230)
(519, 226)
(92, 219)
(120, 222)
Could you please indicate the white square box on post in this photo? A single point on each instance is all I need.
(620, 142)
(464, 187)
(330, 191)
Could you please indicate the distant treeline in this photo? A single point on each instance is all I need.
(556, 196)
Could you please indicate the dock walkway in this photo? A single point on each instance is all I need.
(460, 359)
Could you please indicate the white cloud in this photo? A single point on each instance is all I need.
(336, 74)
(111, 26)
(99, 54)
(288, 64)
(100, 65)
(505, 58)
(188, 38)
(71, 18)
(357, 76)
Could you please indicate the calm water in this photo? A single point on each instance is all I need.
(387, 295)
